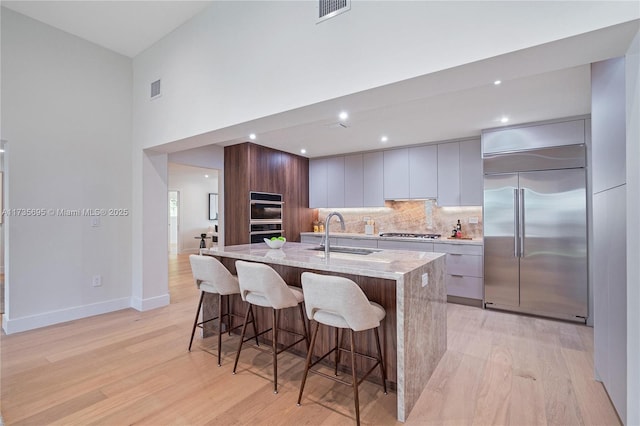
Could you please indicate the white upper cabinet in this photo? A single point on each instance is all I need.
(608, 127)
(347, 181)
(318, 183)
(533, 136)
(423, 172)
(460, 180)
(353, 181)
(335, 182)
(396, 174)
(471, 179)
(449, 174)
(373, 179)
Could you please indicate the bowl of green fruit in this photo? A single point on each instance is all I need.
(275, 242)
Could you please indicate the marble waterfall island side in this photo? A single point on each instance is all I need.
(409, 285)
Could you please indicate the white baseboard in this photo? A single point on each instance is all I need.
(18, 325)
(151, 303)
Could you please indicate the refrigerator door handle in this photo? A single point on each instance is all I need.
(516, 223)
(521, 222)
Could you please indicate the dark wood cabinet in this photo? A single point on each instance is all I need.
(251, 167)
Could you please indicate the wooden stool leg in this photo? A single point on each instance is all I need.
(304, 324)
(244, 329)
(219, 326)
(253, 323)
(274, 345)
(381, 361)
(195, 321)
(355, 377)
(229, 317)
(308, 363)
(335, 372)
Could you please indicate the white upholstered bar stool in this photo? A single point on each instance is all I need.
(338, 302)
(261, 285)
(212, 277)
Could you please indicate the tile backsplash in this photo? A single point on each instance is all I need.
(422, 216)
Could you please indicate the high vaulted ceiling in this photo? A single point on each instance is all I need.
(126, 27)
(543, 82)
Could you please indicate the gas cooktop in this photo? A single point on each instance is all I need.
(411, 235)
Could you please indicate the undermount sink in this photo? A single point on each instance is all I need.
(350, 250)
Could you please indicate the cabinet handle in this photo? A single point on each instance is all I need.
(455, 254)
(457, 276)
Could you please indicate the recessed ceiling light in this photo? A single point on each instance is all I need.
(504, 119)
(497, 82)
(1, 150)
(252, 136)
(343, 115)
(383, 139)
(206, 176)
(303, 151)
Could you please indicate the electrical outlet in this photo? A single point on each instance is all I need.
(425, 280)
(473, 219)
(96, 281)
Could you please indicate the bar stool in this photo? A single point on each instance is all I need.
(212, 277)
(261, 285)
(338, 302)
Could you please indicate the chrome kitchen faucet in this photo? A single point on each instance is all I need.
(326, 231)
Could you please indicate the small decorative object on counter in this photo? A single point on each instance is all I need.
(368, 227)
(275, 242)
(454, 233)
(321, 227)
(459, 226)
(316, 227)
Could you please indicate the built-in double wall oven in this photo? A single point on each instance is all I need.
(266, 216)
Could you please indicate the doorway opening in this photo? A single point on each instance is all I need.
(174, 221)
(193, 211)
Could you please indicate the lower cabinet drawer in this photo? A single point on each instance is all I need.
(464, 286)
(464, 264)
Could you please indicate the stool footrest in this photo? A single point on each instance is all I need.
(360, 380)
(302, 337)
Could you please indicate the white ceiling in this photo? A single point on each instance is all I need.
(126, 27)
(183, 172)
(540, 83)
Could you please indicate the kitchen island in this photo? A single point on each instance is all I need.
(409, 285)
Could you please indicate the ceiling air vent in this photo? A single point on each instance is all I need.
(155, 89)
(330, 8)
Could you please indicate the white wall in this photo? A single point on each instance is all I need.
(194, 202)
(633, 225)
(238, 61)
(66, 113)
(2, 243)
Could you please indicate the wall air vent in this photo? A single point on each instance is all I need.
(155, 89)
(330, 8)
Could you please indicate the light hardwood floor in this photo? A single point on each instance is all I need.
(132, 367)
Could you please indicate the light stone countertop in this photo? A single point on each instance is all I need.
(441, 240)
(388, 264)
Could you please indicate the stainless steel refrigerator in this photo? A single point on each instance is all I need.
(535, 232)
